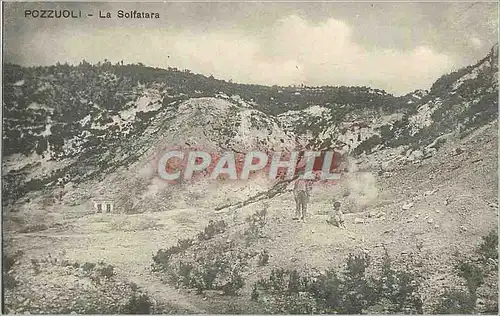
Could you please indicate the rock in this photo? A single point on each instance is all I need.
(430, 192)
(380, 214)
(430, 152)
(493, 205)
(430, 221)
(358, 220)
(436, 226)
(407, 206)
(438, 211)
(447, 202)
(462, 228)
(416, 155)
(390, 165)
(410, 220)
(458, 151)
(372, 214)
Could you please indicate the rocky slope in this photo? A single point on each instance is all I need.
(420, 177)
(72, 124)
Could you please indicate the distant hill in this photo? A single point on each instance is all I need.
(67, 123)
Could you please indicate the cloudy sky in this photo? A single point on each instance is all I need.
(397, 47)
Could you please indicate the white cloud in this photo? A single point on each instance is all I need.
(294, 51)
(476, 42)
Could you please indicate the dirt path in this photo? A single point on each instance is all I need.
(165, 293)
(130, 252)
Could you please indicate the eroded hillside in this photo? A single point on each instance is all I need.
(419, 190)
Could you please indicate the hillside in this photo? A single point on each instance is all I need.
(419, 188)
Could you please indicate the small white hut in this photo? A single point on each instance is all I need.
(104, 205)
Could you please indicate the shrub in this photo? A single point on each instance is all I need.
(352, 291)
(488, 249)
(210, 274)
(455, 302)
(106, 270)
(9, 281)
(367, 145)
(8, 261)
(234, 283)
(184, 244)
(212, 229)
(88, 266)
(162, 257)
(263, 258)
(108, 297)
(255, 222)
(138, 304)
(215, 267)
(358, 290)
(472, 274)
(399, 289)
(35, 265)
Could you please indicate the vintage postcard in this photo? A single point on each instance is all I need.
(250, 158)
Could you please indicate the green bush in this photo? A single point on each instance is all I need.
(162, 258)
(106, 270)
(472, 273)
(8, 261)
(255, 222)
(488, 249)
(105, 296)
(263, 258)
(399, 289)
(358, 290)
(475, 272)
(212, 229)
(455, 302)
(208, 274)
(206, 264)
(367, 145)
(88, 266)
(353, 291)
(139, 303)
(184, 244)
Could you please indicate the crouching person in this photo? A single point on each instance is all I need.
(337, 218)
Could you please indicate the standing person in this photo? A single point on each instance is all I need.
(301, 193)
